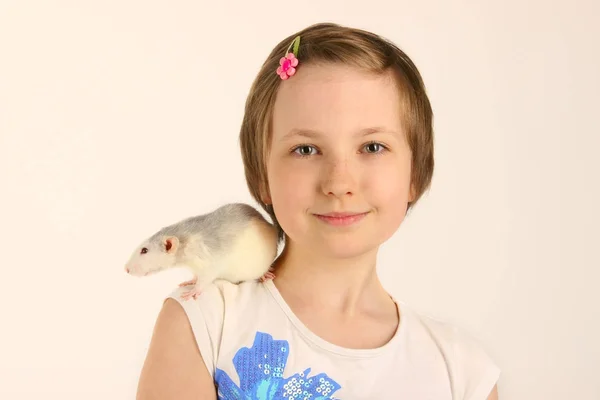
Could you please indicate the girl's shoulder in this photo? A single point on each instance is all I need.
(223, 309)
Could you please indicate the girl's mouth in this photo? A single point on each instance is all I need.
(341, 218)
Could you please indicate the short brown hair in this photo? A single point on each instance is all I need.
(333, 43)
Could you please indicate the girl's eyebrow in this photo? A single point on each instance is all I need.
(312, 134)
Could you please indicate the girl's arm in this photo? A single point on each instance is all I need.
(494, 394)
(174, 368)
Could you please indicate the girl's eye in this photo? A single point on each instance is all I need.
(306, 150)
(303, 150)
(374, 147)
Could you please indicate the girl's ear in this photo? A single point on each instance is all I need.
(412, 194)
(264, 194)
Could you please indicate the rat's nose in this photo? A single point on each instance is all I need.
(127, 269)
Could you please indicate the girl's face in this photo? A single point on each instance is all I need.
(338, 147)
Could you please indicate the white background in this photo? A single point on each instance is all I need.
(117, 117)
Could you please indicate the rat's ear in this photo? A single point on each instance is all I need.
(171, 243)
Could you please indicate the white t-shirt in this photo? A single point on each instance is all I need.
(256, 348)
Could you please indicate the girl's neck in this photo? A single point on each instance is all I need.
(348, 286)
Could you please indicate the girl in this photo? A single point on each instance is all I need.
(337, 144)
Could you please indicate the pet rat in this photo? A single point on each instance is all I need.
(234, 242)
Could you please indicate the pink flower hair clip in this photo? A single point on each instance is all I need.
(288, 64)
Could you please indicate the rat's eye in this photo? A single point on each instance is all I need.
(144, 250)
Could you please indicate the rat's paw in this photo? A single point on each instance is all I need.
(188, 283)
(268, 275)
(192, 293)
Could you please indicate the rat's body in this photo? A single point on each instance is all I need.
(234, 242)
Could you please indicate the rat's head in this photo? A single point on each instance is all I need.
(154, 255)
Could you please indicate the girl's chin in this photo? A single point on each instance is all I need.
(341, 248)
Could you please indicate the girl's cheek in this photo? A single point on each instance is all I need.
(290, 177)
(384, 176)
(302, 182)
(300, 168)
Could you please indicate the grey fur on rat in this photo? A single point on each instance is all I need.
(234, 242)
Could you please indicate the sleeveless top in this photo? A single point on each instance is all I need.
(256, 348)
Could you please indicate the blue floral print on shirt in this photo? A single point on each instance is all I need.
(260, 371)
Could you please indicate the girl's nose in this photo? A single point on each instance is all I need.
(338, 180)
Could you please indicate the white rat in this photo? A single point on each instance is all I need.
(234, 242)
